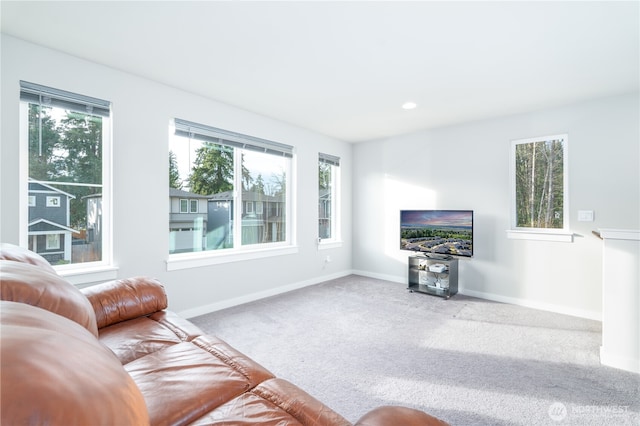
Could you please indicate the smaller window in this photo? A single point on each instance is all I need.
(193, 206)
(248, 207)
(53, 242)
(184, 206)
(328, 184)
(259, 207)
(53, 201)
(539, 184)
(32, 200)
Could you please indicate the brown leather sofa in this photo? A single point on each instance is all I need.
(112, 354)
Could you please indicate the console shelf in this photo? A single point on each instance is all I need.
(438, 277)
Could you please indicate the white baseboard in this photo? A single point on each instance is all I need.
(550, 307)
(619, 361)
(205, 309)
(393, 278)
(559, 309)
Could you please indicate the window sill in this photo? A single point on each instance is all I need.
(208, 258)
(540, 235)
(329, 244)
(87, 275)
(619, 234)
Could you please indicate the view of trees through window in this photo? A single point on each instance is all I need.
(327, 194)
(205, 172)
(65, 184)
(325, 175)
(539, 183)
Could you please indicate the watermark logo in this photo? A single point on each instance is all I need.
(557, 411)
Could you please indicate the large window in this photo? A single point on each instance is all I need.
(539, 184)
(68, 138)
(237, 186)
(328, 183)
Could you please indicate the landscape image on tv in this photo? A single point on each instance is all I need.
(441, 232)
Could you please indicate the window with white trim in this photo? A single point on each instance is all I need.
(53, 242)
(539, 184)
(68, 145)
(184, 206)
(231, 174)
(328, 184)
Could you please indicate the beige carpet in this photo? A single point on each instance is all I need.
(356, 343)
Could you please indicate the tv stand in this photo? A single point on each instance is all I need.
(426, 275)
(438, 256)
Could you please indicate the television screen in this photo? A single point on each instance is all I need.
(437, 232)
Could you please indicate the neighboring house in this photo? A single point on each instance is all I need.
(94, 218)
(88, 246)
(204, 222)
(187, 221)
(262, 215)
(50, 234)
(324, 213)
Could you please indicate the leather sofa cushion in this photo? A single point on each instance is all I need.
(183, 382)
(121, 300)
(273, 402)
(19, 254)
(133, 339)
(54, 364)
(37, 286)
(395, 415)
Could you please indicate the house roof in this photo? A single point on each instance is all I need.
(179, 193)
(33, 182)
(246, 196)
(45, 226)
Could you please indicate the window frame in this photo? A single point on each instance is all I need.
(53, 201)
(240, 142)
(75, 273)
(192, 202)
(48, 242)
(563, 234)
(335, 240)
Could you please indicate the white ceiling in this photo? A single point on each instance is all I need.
(344, 68)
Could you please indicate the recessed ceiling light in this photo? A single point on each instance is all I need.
(409, 105)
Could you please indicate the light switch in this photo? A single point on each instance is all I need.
(585, 215)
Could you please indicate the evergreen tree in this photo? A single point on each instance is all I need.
(80, 160)
(43, 140)
(246, 176)
(174, 175)
(258, 185)
(212, 171)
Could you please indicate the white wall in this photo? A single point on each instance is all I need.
(458, 167)
(467, 167)
(142, 110)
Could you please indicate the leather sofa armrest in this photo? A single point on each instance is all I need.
(394, 415)
(121, 300)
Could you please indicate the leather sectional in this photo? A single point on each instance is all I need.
(112, 354)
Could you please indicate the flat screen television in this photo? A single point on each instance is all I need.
(437, 233)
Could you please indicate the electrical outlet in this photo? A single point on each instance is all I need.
(585, 215)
